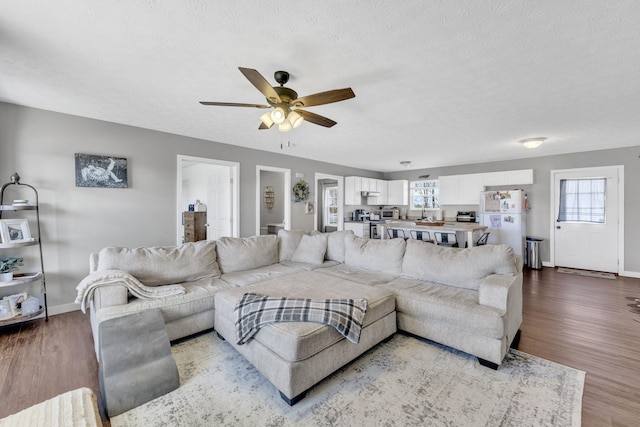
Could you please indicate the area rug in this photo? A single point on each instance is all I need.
(598, 274)
(402, 382)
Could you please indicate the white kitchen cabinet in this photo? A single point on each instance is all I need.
(397, 192)
(516, 177)
(469, 188)
(448, 193)
(519, 177)
(460, 189)
(352, 190)
(382, 188)
(360, 229)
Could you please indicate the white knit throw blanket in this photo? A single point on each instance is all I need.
(118, 277)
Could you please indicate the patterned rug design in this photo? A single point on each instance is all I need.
(598, 274)
(403, 382)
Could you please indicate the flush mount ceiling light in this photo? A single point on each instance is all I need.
(532, 142)
(406, 164)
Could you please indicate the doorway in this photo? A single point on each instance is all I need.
(587, 218)
(329, 203)
(279, 215)
(215, 184)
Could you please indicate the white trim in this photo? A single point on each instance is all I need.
(287, 192)
(320, 176)
(552, 221)
(235, 190)
(64, 308)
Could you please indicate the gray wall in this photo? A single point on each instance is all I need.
(40, 146)
(538, 218)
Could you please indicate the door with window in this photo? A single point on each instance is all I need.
(586, 218)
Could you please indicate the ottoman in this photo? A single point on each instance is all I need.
(294, 356)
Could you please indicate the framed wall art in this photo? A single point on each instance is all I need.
(15, 231)
(101, 171)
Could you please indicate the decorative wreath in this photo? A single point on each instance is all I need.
(300, 191)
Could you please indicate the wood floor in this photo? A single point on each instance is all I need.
(581, 322)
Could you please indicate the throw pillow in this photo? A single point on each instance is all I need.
(335, 245)
(383, 255)
(311, 249)
(288, 241)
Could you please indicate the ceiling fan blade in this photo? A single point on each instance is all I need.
(261, 84)
(234, 104)
(316, 118)
(324, 98)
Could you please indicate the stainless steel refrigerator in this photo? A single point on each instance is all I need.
(504, 212)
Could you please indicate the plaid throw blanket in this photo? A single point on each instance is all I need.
(254, 310)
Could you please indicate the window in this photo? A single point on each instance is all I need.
(582, 200)
(424, 194)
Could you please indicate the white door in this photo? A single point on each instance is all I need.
(219, 204)
(586, 218)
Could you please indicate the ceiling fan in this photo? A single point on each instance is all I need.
(286, 105)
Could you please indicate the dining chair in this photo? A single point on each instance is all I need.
(446, 239)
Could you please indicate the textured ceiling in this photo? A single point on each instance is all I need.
(437, 82)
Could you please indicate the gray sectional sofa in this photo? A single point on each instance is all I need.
(469, 299)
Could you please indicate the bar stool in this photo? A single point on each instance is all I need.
(396, 233)
(425, 236)
(481, 241)
(446, 239)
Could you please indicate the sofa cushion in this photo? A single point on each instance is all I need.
(163, 265)
(288, 241)
(458, 307)
(358, 275)
(311, 249)
(377, 255)
(237, 254)
(463, 268)
(247, 277)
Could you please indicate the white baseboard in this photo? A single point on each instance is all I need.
(635, 274)
(65, 308)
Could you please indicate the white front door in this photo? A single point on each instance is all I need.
(586, 218)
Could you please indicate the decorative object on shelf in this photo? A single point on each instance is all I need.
(101, 171)
(6, 311)
(30, 305)
(309, 208)
(300, 191)
(7, 267)
(269, 197)
(15, 231)
(199, 206)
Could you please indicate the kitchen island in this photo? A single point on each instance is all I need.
(464, 230)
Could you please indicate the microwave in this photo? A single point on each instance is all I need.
(389, 214)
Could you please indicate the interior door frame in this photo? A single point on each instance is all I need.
(320, 176)
(552, 219)
(286, 197)
(235, 191)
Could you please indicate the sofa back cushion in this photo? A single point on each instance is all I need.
(335, 245)
(311, 249)
(162, 265)
(288, 241)
(239, 254)
(377, 255)
(462, 268)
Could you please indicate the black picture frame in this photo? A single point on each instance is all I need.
(101, 171)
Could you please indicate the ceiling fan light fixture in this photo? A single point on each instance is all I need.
(295, 119)
(532, 142)
(285, 126)
(266, 119)
(278, 115)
